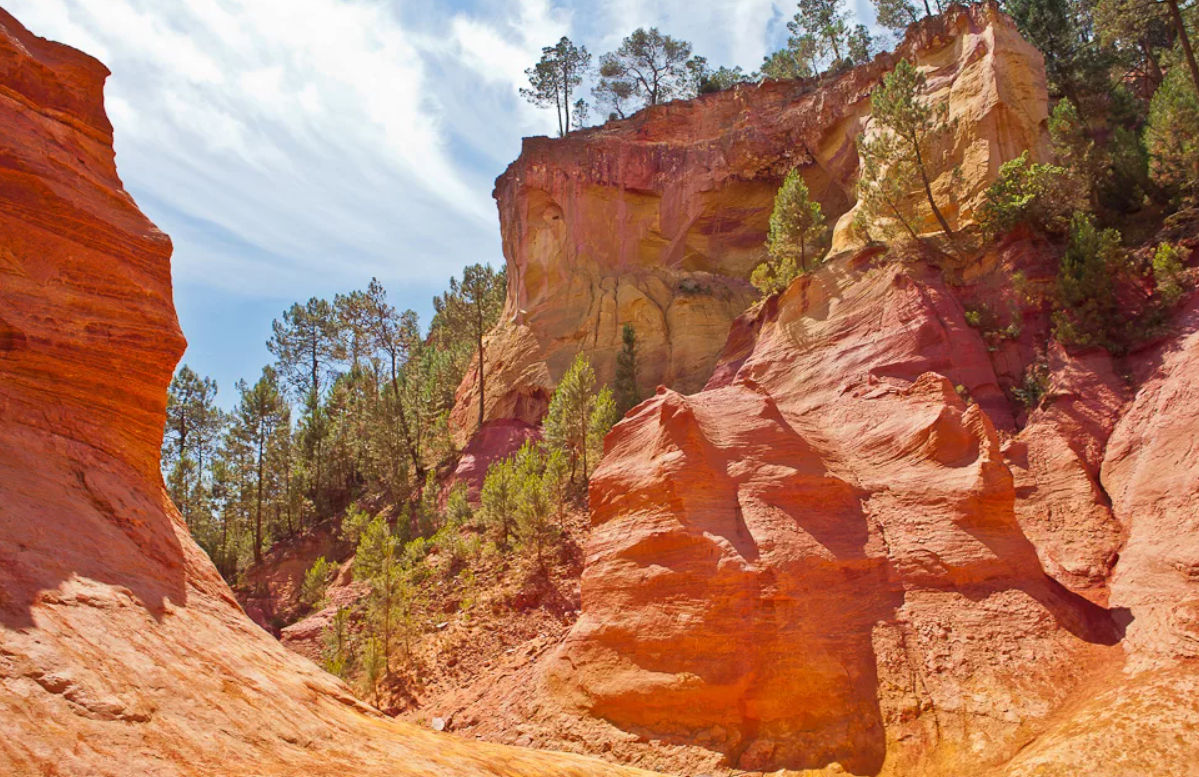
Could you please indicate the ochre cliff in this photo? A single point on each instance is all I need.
(840, 554)
(121, 650)
(658, 220)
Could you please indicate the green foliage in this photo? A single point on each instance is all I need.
(336, 654)
(1074, 148)
(902, 149)
(457, 507)
(885, 190)
(1127, 183)
(378, 561)
(1088, 308)
(647, 68)
(316, 580)
(797, 60)
(189, 441)
(1171, 139)
(468, 311)
(797, 229)
(555, 77)
(1039, 195)
(499, 498)
(708, 81)
(628, 394)
(534, 525)
(896, 15)
(428, 514)
(1168, 267)
(354, 523)
(604, 415)
(374, 666)
(578, 417)
(827, 23)
(1034, 385)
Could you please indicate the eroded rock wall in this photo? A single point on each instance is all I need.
(841, 553)
(658, 220)
(121, 650)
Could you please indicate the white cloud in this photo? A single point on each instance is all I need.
(298, 147)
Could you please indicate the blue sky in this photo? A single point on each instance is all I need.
(296, 148)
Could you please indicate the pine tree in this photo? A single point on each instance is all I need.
(827, 22)
(1170, 137)
(499, 499)
(470, 309)
(378, 561)
(553, 79)
(797, 227)
(257, 420)
(648, 66)
(627, 392)
(909, 125)
(567, 424)
(193, 424)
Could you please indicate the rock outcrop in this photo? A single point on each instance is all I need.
(121, 650)
(828, 557)
(658, 220)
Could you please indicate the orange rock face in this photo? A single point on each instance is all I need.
(121, 650)
(657, 221)
(827, 556)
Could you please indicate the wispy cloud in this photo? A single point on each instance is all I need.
(298, 147)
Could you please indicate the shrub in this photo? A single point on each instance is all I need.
(1041, 196)
(1168, 267)
(457, 507)
(1088, 310)
(1034, 386)
(1170, 136)
(316, 580)
(353, 523)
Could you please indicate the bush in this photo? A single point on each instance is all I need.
(1088, 310)
(1041, 196)
(316, 580)
(457, 508)
(1034, 386)
(1168, 266)
(354, 523)
(1170, 136)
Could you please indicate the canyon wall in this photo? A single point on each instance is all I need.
(658, 220)
(121, 649)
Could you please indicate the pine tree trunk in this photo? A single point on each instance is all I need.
(258, 512)
(482, 387)
(1185, 39)
(928, 190)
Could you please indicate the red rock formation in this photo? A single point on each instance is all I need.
(825, 557)
(121, 650)
(821, 561)
(495, 441)
(658, 220)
